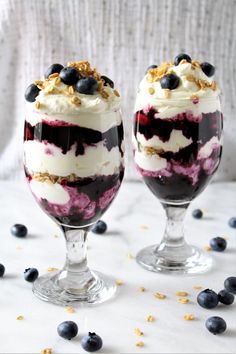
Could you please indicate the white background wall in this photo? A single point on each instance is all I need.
(121, 38)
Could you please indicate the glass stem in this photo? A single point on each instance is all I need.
(173, 245)
(75, 275)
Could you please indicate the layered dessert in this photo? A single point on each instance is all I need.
(177, 128)
(73, 144)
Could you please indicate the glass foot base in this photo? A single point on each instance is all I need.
(47, 288)
(155, 260)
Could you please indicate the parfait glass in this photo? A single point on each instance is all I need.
(74, 167)
(177, 157)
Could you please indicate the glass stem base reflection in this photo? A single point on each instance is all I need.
(174, 254)
(51, 288)
(75, 283)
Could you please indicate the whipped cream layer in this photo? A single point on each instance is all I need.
(47, 158)
(180, 99)
(52, 192)
(149, 162)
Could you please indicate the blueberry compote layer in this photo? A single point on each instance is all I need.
(89, 199)
(188, 170)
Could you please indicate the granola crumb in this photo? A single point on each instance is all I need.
(119, 282)
(197, 287)
(207, 248)
(75, 100)
(71, 90)
(159, 296)
(55, 236)
(57, 80)
(46, 351)
(52, 269)
(53, 76)
(20, 318)
(143, 227)
(151, 90)
(189, 317)
(139, 344)
(104, 94)
(37, 105)
(19, 248)
(150, 318)
(129, 256)
(142, 289)
(181, 293)
(138, 332)
(167, 93)
(183, 300)
(116, 93)
(69, 309)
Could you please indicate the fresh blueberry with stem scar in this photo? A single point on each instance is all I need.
(230, 284)
(100, 227)
(225, 297)
(197, 213)
(87, 85)
(31, 274)
(92, 342)
(2, 270)
(208, 69)
(216, 325)
(67, 330)
(54, 68)
(151, 67)
(218, 244)
(69, 75)
(170, 81)
(31, 93)
(182, 56)
(19, 230)
(232, 222)
(207, 299)
(107, 81)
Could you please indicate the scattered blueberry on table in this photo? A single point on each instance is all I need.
(92, 342)
(31, 274)
(232, 222)
(230, 284)
(100, 227)
(225, 297)
(19, 230)
(67, 330)
(197, 213)
(2, 270)
(207, 299)
(218, 244)
(216, 325)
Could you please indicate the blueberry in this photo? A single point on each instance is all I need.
(180, 57)
(87, 85)
(207, 299)
(31, 274)
(225, 297)
(100, 227)
(197, 213)
(92, 342)
(216, 325)
(218, 244)
(208, 69)
(31, 93)
(230, 284)
(108, 82)
(54, 68)
(19, 230)
(232, 222)
(69, 76)
(67, 329)
(151, 67)
(170, 81)
(2, 270)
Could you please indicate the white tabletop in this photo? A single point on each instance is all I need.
(135, 220)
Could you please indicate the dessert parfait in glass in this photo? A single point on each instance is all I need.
(177, 149)
(73, 160)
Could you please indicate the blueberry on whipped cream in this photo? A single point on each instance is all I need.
(178, 128)
(73, 146)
